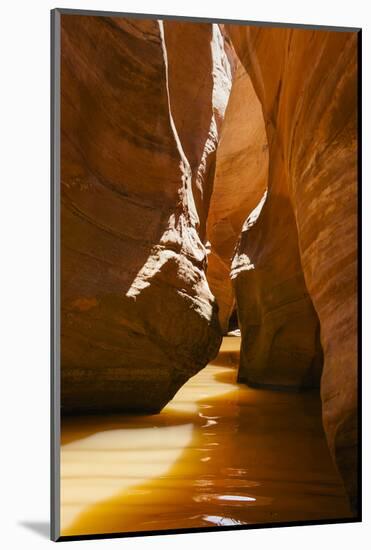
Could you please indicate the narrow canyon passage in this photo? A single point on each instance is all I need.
(198, 198)
(220, 453)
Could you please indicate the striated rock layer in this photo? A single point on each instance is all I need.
(138, 317)
(306, 82)
(240, 180)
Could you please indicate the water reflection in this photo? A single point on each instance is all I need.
(219, 520)
(219, 453)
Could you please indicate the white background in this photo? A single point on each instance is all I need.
(24, 271)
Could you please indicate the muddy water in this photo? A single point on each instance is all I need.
(219, 454)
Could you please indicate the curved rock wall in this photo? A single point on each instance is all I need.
(240, 181)
(138, 317)
(280, 345)
(306, 82)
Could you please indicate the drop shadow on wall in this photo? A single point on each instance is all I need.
(41, 528)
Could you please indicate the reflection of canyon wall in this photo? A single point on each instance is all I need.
(305, 238)
(138, 153)
(240, 181)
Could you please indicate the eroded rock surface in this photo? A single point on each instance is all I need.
(138, 317)
(280, 345)
(240, 181)
(306, 82)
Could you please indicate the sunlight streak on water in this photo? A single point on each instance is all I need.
(99, 466)
(236, 498)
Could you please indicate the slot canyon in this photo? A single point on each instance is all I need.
(208, 274)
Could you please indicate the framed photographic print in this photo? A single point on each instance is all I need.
(205, 230)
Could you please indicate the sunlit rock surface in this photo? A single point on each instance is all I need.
(138, 317)
(306, 82)
(199, 82)
(240, 181)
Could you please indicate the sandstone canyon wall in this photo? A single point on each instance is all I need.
(137, 159)
(240, 181)
(301, 249)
